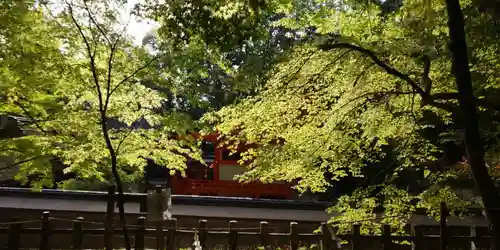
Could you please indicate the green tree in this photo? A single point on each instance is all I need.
(82, 82)
(374, 82)
(217, 53)
(30, 72)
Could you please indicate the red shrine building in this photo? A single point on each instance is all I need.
(217, 177)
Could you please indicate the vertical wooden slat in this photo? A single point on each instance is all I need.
(443, 228)
(473, 235)
(45, 232)
(233, 235)
(356, 232)
(386, 234)
(77, 233)
(14, 234)
(202, 229)
(141, 231)
(160, 238)
(264, 234)
(418, 244)
(143, 204)
(110, 210)
(294, 236)
(172, 228)
(326, 238)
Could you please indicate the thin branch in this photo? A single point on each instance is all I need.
(389, 69)
(17, 163)
(132, 127)
(113, 49)
(110, 62)
(108, 81)
(392, 71)
(27, 113)
(123, 139)
(454, 96)
(300, 67)
(377, 93)
(54, 18)
(94, 38)
(316, 75)
(133, 74)
(110, 59)
(89, 52)
(339, 124)
(95, 23)
(361, 74)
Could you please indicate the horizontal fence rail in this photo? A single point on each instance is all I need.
(79, 233)
(166, 235)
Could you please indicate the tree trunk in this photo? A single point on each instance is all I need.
(114, 169)
(473, 141)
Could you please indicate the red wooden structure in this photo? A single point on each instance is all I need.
(217, 178)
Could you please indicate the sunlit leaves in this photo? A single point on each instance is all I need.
(327, 115)
(64, 70)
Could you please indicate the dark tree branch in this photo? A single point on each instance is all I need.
(109, 79)
(91, 17)
(27, 113)
(361, 74)
(17, 163)
(377, 93)
(110, 63)
(300, 67)
(314, 76)
(132, 127)
(90, 54)
(134, 73)
(389, 69)
(431, 99)
(450, 96)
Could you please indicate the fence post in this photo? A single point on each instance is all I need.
(143, 202)
(356, 232)
(326, 238)
(264, 234)
(418, 244)
(443, 228)
(110, 210)
(172, 228)
(77, 233)
(473, 235)
(139, 236)
(160, 239)
(233, 235)
(14, 234)
(45, 232)
(294, 236)
(202, 229)
(386, 232)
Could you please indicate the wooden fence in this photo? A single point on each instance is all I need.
(168, 235)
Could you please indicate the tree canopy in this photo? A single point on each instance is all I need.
(70, 72)
(351, 96)
(369, 96)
